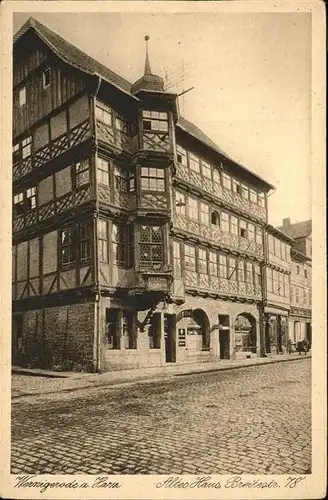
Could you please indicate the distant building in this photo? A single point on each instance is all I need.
(136, 240)
(301, 279)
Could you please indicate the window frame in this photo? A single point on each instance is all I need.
(22, 96)
(46, 72)
(102, 172)
(102, 235)
(152, 176)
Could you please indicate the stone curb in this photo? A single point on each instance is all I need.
(146, 378)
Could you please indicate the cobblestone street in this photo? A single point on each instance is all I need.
(251, 420)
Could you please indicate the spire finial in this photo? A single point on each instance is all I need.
(147, 64)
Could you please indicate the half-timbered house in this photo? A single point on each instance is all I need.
(136, 240)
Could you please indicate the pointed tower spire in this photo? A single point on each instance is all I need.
(147, 63)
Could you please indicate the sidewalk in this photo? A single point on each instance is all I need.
(28, 382)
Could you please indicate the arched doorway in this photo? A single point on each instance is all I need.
(201, 319)
(245, 333)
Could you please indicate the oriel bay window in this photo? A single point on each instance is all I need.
(155, 121)
(152, 179)
(151, 247)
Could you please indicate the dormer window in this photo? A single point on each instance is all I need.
(155, 121)
(46, 78)
(22, 96)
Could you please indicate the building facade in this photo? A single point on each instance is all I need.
(136, 240)
(300, 318)
(276, 289)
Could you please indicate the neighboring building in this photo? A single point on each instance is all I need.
(300, 319)
(137, 241)
(276, 289)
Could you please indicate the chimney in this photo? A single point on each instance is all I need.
(286, 223)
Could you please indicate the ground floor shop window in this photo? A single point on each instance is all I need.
(113, 328)
(129, 330)
(154, 332)
(245, 334)
(120, 329)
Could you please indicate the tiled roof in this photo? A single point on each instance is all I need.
(298, 229)
(79, 59)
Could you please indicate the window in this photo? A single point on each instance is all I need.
(275, 282)
(277, 251)
(213, 264)
(121, 127)
(155, 121)
(286, 285)
(269, 279)
(102, 171)
(251, 231)
(119, 241)
(241, 271)
(236, 187)
(121, 183)
(298, 269)
(261, 200)
(292, 294)
(225, 222)
(245, 191)
(259, 236)
(249, 272)
(223, 266)
(281, 284)
(283, 251)
(305, 297)
(194, 163)
(242, 229)
(131, 182)
(19, 203)
(271, 244)
(181, 155)
(253, 196)
(31, 198)
(257, 274)
(190, 258)
(82, 174)
(16, 153)
(26, 147)
(216, 176)
(305, 273)
(152, 179)
(177, 258)
(128, 330)
(297, 290)
(226, 181)
(104, 115)
(233, 225)
(46, 78)
(180, 203)
(202, 261)
(206, 169)
(85, 241)
(22, 96)
(192, 208)
(68, 248)
(204, 213)
(102, 240)
(151, 246)
(113, 333)
(215, 219)
(232, 269)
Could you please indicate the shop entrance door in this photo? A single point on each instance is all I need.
(169, 336)
(224, 338)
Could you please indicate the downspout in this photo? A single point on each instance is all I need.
(96, 264)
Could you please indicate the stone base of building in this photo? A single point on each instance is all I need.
(111, 335)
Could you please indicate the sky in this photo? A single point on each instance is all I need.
(251, 74)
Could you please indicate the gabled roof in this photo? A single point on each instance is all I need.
(77, 58)
(298, 229)
(72, 55)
